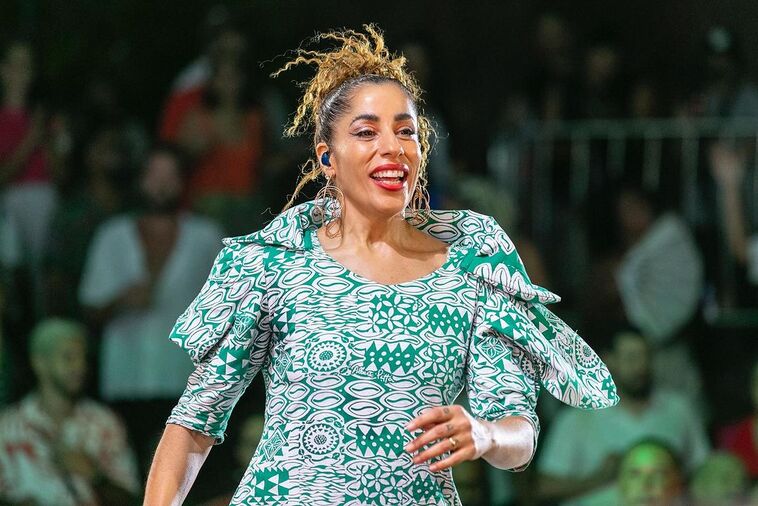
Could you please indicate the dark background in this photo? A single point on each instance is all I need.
(479, 49)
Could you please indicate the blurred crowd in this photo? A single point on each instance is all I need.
(109, 226)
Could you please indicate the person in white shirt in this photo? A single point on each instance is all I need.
(580, 458)
(141, 271)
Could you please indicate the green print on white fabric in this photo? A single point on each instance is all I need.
(348, 362)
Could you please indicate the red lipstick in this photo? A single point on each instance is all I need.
(390, 176)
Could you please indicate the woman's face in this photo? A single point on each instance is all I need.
(375, 152)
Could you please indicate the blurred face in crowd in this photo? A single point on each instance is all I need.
(227, 80)
(17, 68)
(553, 36)
(161, 183)
(630, 365)
(635, 214)
(649, 476)
(228, 45)
(643, 100)
(63, 366)
(601, 65)
(378, 131)
(721, 481)
(104, 155)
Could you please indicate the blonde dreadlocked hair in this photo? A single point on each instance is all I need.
(359, 58)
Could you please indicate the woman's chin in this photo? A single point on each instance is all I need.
(379, 203)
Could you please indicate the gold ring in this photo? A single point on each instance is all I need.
(453, 442)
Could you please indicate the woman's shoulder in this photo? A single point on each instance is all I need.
(237, 261)
(486, 252)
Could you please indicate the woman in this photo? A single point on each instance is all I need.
(368, 315)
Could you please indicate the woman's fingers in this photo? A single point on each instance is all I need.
(431, 416)
(446, 429)
(455, 458)
(444, 445)
(434, 433)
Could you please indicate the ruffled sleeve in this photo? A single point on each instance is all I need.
(512, 307)
(518, 346)
(225, 333)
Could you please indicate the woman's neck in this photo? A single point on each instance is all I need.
(360, 231)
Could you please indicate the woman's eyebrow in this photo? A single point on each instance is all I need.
(369, 117)
(373, 117)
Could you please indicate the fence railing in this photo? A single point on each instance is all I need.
(667, 155)
(606, 143)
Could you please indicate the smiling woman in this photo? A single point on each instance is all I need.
(329, 102)
(368, 313)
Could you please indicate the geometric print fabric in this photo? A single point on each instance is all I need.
(348, 362)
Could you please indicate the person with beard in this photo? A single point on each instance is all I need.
(141, 270)
(580, 459)
(57, 446)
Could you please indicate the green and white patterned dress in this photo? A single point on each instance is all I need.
(348, 362)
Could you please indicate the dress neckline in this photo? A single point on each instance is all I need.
(312, 236)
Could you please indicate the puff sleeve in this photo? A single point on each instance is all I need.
(518, 346)
(501, 380)
(225, 333)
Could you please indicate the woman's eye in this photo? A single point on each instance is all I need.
(364, 133)
(407, 131)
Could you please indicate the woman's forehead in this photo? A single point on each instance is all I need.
(384, 101)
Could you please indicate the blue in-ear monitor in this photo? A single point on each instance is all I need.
(325, 159)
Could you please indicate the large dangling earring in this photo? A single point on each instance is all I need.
(330, 199)
(418, 207)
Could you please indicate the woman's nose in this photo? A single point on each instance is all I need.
(390, 145)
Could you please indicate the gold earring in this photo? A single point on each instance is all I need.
(330, 198)
(419, 205)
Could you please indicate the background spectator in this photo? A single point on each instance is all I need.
(728, 91)
(101, 195)
(740, 438)
(601, 86)
(650, 474)
(27, 161)
(720, 481)
(142, 271)
(581, 452)
(554, 81)
(56, 446)
(224, 135)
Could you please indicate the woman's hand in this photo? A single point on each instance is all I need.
(454, 430)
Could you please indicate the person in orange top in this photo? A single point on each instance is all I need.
(223, 132)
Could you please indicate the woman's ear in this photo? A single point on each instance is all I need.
(323, 155)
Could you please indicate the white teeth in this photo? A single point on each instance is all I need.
(388, 173)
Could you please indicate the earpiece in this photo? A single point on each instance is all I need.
(325, 159)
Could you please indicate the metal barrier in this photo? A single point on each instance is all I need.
(537, 143)
(580, 147)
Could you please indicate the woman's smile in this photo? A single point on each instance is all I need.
(390, 176)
